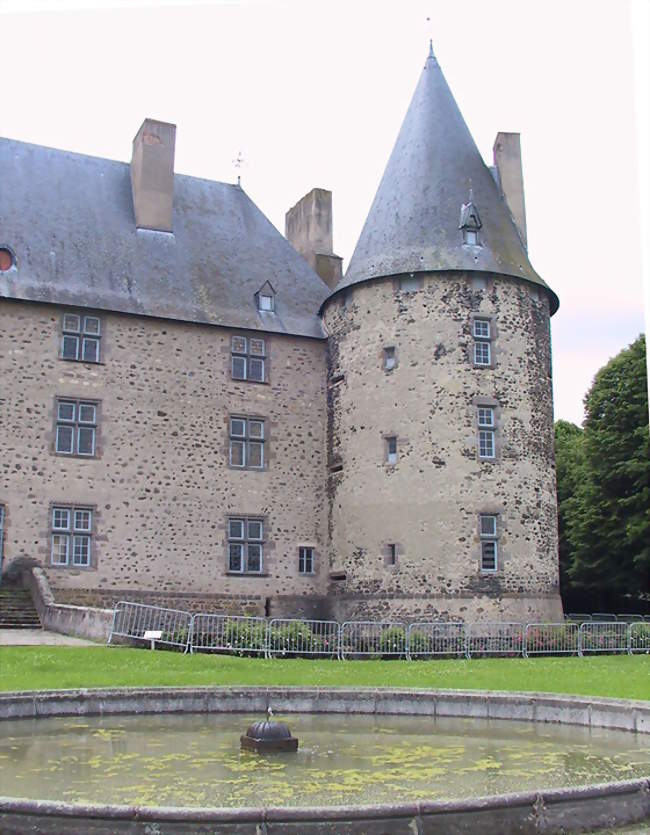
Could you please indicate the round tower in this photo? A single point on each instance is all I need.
(442, 499)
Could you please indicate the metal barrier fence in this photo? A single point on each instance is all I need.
(427, 640)
(494, 639)
(232, 634)
(551, 639)
(604, 636)
(370, 638)
(602, 617)
(132, 620)
(292, 637)
(639, 637)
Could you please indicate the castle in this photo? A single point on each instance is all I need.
(200, 413)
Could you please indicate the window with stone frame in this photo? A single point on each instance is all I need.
(306, 559)
(390, 359)
(482, 333)
(71, 536)
(245, 545)
(247, 443)
(81, 337)
(488, 530)
(486, 432)
(391, 449)
(76, 427)
(248, 358)
(410, 283)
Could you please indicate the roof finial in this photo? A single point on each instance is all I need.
(431, 55)
(238, 162)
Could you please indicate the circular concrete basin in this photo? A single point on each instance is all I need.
(370, 761)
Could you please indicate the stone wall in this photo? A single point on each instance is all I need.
(83, 622)
(162, 488)
(428, 503)
(160, 484)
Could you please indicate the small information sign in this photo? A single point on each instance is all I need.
(153, 635)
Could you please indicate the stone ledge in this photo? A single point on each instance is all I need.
(548, 811)
(617, 714)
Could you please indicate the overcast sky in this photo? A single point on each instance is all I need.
(313, 93)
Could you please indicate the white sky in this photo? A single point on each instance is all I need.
(313, 93)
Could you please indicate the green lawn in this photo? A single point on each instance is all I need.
(49, 668)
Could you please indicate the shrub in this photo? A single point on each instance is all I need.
(393, 641)
(419, 643)
(245, 636)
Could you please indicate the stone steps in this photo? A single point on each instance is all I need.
(17, 609)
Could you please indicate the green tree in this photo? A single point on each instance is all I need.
(604, 478)
(569, 462)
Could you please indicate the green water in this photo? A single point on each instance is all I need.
(195, 760)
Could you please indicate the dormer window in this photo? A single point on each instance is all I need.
(266, 302)
(470, 222)
(266, 299)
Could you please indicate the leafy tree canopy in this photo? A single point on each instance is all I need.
(603, 473)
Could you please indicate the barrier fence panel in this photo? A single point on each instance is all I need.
(292, 637)
(551, 638)
(604, 636)
(639, 637)
(132, 620)
(494, 639)
(603, 617)
(232, 634)
(578, 617)
(370, 638)
(425, 640)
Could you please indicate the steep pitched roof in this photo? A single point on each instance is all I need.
(69, 220)
(413, 223)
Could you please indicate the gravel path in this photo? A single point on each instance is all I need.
(36, 637)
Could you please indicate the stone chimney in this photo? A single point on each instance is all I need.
(308, 228)
(152, 175)
(507, 160)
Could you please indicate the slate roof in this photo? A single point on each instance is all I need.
(69, 220)
(413, 223)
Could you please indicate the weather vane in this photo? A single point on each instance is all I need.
(429, 29)
(238, 162)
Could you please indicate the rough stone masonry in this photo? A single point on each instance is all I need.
(199, 413)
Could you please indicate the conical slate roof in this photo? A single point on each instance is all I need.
(413, 224)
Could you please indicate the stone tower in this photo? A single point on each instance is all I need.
(441, 466)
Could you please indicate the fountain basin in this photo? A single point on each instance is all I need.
(541, 804)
